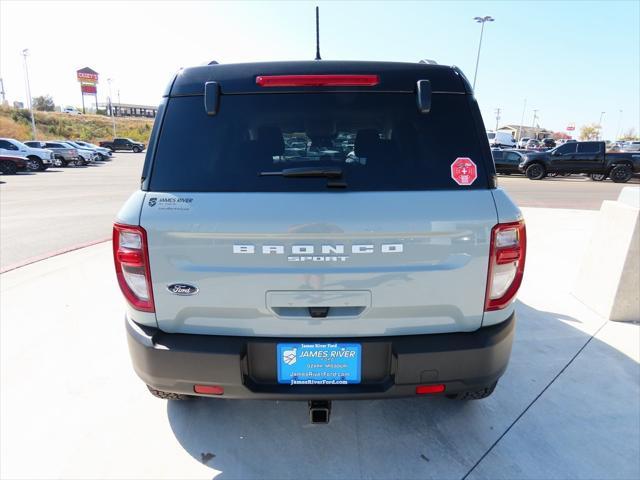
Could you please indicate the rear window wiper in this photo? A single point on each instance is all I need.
(326, 172)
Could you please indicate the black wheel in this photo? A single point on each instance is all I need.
(168, 395)
(474, 394)
(136, 150)
(8, 168)
(35, 164)
(621, 173)
(536, 171)
(598, 177)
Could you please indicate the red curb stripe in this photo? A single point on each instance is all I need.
(55, 253)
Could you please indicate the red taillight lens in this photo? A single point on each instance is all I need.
(131, 257)
(317, 80)
(506, 264)
(426, 389)
(208, 389)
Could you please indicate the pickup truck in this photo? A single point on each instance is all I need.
(38, 158)
(589, 158)
(123, 144)
(387, 271)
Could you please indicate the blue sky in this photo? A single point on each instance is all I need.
(571, 60)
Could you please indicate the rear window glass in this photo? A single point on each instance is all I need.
(377, 141)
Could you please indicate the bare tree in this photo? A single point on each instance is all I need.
(590, 132)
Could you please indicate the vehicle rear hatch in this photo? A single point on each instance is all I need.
(330, 213)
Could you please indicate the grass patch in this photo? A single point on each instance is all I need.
(16, 123)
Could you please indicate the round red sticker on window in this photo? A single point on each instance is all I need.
(464, 171)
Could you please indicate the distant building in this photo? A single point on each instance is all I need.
(521, 131)
(131, 110)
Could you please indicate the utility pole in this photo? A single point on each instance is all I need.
(481, 20)
(113, 120)
(497, 118)
(2, 91)
(522, 120)
(25, 52)
(600, 136)
(533, 124)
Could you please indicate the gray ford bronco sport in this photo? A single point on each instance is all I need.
(319, 230)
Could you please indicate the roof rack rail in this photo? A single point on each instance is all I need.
(213, 62)
(428, 61)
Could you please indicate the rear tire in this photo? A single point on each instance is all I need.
(536, 171)
(8, 168)
(136, 150)
(474, 394)
(169, 395)
(621, 173)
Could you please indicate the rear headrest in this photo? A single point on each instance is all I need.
(270, 140)
(366, 142)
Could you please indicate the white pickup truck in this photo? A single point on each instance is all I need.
(39, 159)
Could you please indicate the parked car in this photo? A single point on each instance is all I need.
(522, 143)
(104, 153)
(581, 157)
(64, 154)
(548, 143)
(10, 165)
(507, 161)
(532, 144)
(123, 144)
(633, 146)
(501, 139)
(85, 155)
(71, 111)
(39, 159)
(402, 284)
(95, 155)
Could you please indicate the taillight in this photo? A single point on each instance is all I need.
(506, 264)
(317, 80)
(131, 256)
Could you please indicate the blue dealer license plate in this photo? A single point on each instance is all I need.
(319, 363)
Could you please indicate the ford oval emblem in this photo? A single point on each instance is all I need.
(182, 289)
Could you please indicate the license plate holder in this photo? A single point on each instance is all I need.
(319, 363)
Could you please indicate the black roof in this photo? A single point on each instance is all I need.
(241, 77)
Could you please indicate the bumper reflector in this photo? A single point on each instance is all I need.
(427, 389)
(208, 389)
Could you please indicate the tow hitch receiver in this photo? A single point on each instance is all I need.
(319, 411)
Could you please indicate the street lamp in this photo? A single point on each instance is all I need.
(25, 52)
(481, 20)
(113, 120)
(600, 123)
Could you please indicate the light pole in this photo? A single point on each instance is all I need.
(113, 120)
(600, 125)
(497, 111)
(481, 20)
(533, 124)
(618, 132)
(25, 52)
(522, 120)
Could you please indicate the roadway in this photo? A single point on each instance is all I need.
(64, 208)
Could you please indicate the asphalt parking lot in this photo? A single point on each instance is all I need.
(50, 212)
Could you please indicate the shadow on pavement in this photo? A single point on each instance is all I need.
(430, 437)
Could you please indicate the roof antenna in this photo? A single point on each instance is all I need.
(318, 33)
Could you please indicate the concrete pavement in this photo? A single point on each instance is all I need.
(71, 406)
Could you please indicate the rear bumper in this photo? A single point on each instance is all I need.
(391, 366)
